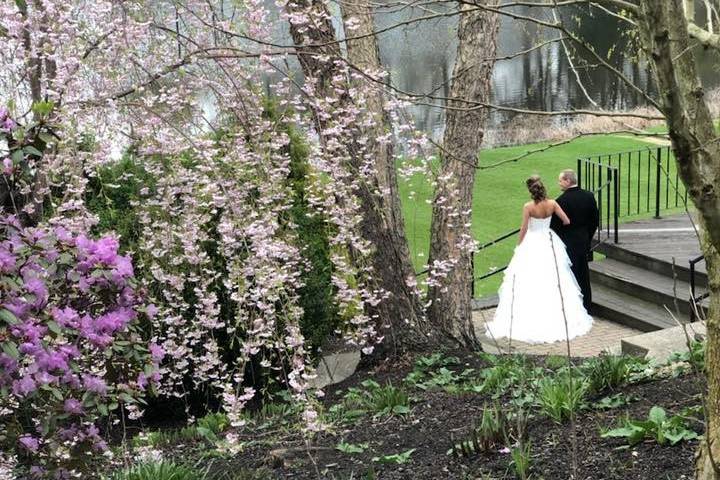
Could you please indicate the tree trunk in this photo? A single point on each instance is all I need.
(664, 34)
(451, 242)
(382, 220)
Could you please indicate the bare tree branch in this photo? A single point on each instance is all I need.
(706, 38)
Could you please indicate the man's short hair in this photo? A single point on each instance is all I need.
(570, 176)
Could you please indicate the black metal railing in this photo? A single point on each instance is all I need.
(695, 299)
(648, 180)
(625, 184)
(606, 190)
(493, 271)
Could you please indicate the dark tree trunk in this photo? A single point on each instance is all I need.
(450, 242)
(664, 34)
(382, 220)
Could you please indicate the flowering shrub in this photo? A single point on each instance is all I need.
(71, 349)
(218, 232)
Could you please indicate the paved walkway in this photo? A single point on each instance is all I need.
(604, 336)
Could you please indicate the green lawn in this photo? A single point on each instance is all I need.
(500, 193)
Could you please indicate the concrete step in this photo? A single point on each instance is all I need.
(665, 268)
(644, 284)
(661, 344)
(628, 310)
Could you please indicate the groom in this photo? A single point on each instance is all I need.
(582, 210)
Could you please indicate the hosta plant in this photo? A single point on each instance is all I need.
(658, 427)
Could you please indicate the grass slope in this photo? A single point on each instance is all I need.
(500, 193)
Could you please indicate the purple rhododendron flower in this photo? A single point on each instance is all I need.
(114, 321)
(44, 378)
(70, 351)
(37, 287)
(142, 381)
(73, 406)
(68, 433)
(8, 124)
(53, 360)
(29, 348)
(157, 352)
(127, 296)
(7, 166)
(94, 384)
(66, 317)
(32, 332)
(123, 267)
(71, 380)
(29, 442)
(93, 432)
(7, 363)
(100, 445)
(7, 260)
(51, 254)
(24, 386)
(106, 249)
(63, 235)
(17, 307)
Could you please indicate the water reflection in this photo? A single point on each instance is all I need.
(420, 59)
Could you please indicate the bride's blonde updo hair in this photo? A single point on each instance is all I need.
(536, 188)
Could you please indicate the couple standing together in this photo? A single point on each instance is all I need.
(549, 273)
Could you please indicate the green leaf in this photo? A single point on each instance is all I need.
(17, 156)
(207, 433)
(351, 448)
(401, 410)
(398, 458)
(11, 349)
(56, 393)
(677, 435)
(657, 415)
(103, 409)
(30, 150)
(54, 327)
(42, 108)
(8, 317)
(46, 137)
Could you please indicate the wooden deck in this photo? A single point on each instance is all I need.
(662, 239)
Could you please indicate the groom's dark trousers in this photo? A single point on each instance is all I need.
(581, 208)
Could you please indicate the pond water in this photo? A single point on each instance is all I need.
(420, 58)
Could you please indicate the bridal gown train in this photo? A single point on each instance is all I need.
(529, 292)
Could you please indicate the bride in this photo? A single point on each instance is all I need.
(531, 302)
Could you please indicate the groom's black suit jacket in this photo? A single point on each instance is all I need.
(581, 208)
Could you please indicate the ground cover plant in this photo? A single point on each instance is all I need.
(514, 427)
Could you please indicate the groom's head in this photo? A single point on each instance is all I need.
(567, 179)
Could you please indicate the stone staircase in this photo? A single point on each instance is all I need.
(632, 288)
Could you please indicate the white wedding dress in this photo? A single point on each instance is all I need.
(530, 307)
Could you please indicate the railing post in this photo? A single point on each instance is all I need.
(692, 291)
(600, 198)
(579, 172)
(658, 159)
(472, 274)
(616, 194)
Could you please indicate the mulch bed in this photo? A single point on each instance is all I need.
(436, 415)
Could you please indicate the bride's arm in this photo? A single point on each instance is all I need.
(524, 226)
(560, 213)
